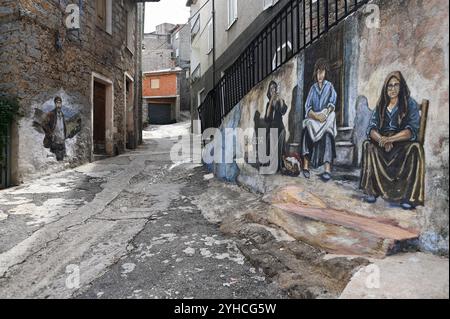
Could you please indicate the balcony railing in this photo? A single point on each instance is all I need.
(298, 24)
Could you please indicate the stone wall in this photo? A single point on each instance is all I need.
(40, 59)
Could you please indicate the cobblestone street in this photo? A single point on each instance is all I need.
(141, 226)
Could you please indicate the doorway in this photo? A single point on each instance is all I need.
(130, 114)
(102, 125)
(5, 158)
(99, 118)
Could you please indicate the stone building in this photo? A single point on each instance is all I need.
(167, 49)
(87, 53)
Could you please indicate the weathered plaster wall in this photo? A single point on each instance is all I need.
(413, 38)
(33, 69)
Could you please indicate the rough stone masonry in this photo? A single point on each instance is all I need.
(41, 58)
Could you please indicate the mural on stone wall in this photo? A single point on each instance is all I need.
(58, 125)
(275, 110)
(318, 143)
(393, 163)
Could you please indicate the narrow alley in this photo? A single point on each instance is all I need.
(224, 149)
(140, 226)
(131, 227)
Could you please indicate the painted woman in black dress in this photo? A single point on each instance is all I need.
(393, 164)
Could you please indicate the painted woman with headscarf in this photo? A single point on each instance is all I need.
(393, 165)
(320, 131)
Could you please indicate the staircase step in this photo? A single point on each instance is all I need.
(337, 231)
(344, 144)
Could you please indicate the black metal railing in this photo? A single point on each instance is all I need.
(4, 154)
(298, 24)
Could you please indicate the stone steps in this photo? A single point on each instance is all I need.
(337, 231)
(345, 152)
(344, 134)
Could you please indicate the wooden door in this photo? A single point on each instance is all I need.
(99, 118)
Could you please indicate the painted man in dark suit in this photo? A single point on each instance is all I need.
(55, 130)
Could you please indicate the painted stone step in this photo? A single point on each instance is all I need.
(344, 134)
(306, 218)
(344, 154)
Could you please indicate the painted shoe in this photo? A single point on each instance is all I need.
(407, 206)
(370, 199)
(326, 177)
(306, 174)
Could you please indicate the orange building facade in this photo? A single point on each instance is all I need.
(161, 96)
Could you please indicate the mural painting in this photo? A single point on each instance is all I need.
(320, 130)
(393, 159)
(276, 108)
(57, 125)
(271, 107)
(393, 164)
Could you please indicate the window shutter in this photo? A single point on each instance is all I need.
(101, 12)
(232, 11)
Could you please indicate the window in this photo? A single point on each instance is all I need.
(103, 10)
(201, 95)
(195, 27)
(232, 12)
(154, 84)
(210, 36)
(269, 3)
(177, 35)
(197, 73)
(100, 9)
(130, 31)
(177, 53)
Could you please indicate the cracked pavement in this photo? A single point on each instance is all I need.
(130, 228)
(141, 226)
